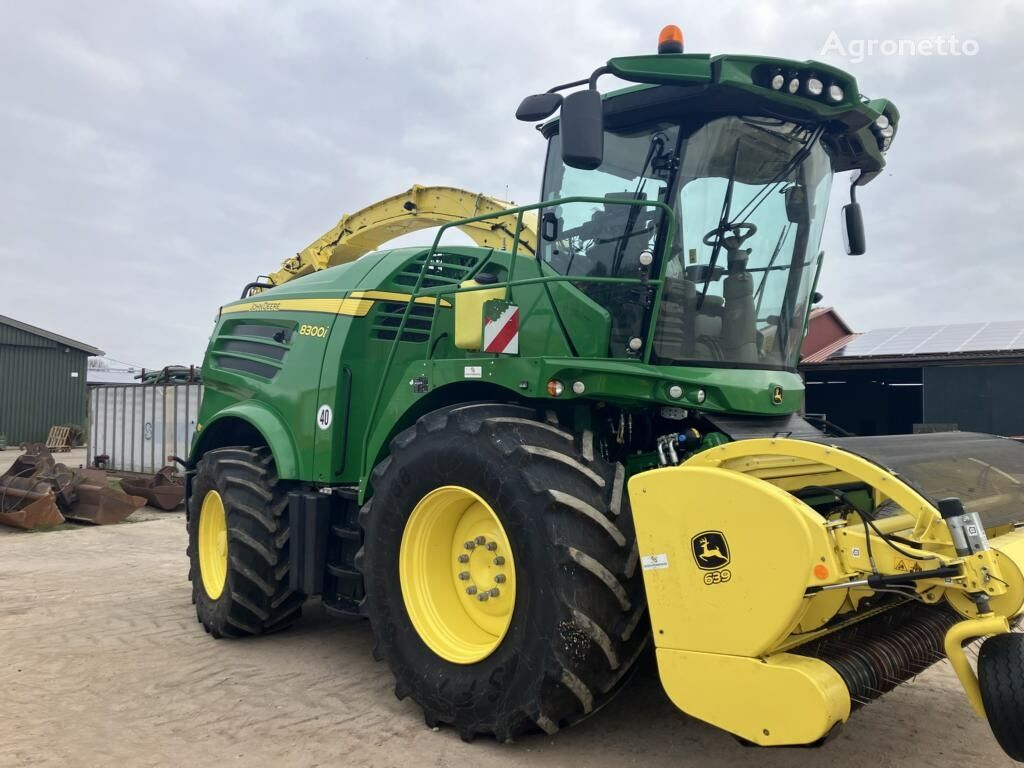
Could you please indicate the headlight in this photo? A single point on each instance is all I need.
(815, 86)
(794, 85)
(887, 132)
(778, 81)
(835, 93)
(881, 122)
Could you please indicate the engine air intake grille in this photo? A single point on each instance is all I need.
(258, 349)
(443, 269)
(388, 316)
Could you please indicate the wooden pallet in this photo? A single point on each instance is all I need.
(59, 439)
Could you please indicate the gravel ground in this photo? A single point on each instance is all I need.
(103, 663)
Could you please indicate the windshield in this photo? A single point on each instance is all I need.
(750, 196)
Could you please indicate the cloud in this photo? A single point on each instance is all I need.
(158, 156)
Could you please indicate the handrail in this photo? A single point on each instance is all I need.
(509, 283)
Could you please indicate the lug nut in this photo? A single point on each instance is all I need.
(463, 558)
(500, 578)
(483, 597)
(494, 592)
(481, 540)
(470, 545)
(492, 545)
(499, 560)
(470, 590)
(464, 575)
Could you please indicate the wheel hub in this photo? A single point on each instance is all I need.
(457, 574)
(213, 544)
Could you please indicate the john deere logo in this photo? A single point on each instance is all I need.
(777, 395)
(710, 550)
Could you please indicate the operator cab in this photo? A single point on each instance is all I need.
(749, 195)
(710, 180)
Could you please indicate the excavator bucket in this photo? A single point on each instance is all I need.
(26, 497)
(37, 492)
(28, 509)
(162, 490)
(97, 503)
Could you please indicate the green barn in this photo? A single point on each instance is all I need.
(42, 381)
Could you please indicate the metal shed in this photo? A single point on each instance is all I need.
(966, 376)
(42, 381)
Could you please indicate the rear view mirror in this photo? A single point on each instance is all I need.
(582, 129)
(540, 106)
(796, 204)
(549, 227)
(853, 230)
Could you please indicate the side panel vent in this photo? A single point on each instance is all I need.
(388, 316)
(443, 269)
(254, 348)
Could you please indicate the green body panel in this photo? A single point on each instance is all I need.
(344, 368)
(271, 424)
(331, 339)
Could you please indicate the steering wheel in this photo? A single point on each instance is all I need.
(741, 232)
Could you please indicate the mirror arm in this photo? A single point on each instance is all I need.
(563, 86)
(595, 75)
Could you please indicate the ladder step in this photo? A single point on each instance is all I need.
(342, 572)
(352, 534)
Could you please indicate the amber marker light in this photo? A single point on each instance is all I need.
(670, 40)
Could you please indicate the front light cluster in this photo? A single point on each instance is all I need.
(884, 130)
(808, 83)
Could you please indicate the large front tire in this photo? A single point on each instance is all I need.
(238, 544)
(482, 480)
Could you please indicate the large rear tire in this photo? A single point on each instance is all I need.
(238, 544)
(1001, 676)
(462, 489)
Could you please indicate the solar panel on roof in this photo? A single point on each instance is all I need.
(950, 338)
(995, 336)
(866, 343)
(937, 340)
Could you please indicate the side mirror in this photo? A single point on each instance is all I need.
(853, 230)
(540, 106)
(582, 130)
(796, 204)
(549, 227)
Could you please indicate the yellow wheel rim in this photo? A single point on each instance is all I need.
(457, 575)
(213, 544)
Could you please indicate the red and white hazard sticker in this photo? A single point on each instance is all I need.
(501, 333)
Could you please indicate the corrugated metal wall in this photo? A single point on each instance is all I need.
(138, 426)
(977, 398)
(38, 385)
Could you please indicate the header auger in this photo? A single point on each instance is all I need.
(527, 461)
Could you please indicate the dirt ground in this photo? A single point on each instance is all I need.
(102, 663)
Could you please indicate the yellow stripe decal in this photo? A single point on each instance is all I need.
(391, 296)
(357, 304)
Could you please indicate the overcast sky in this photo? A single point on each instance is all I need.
(157, 156)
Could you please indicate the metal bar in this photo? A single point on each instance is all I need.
(652, 326)
(512, 261)
(188, 423)
(106, 410)
(131, 460)
(152, 439)
(142, 442)
(90, 453)
(124, 421)
(448, 290)
(177, 391)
